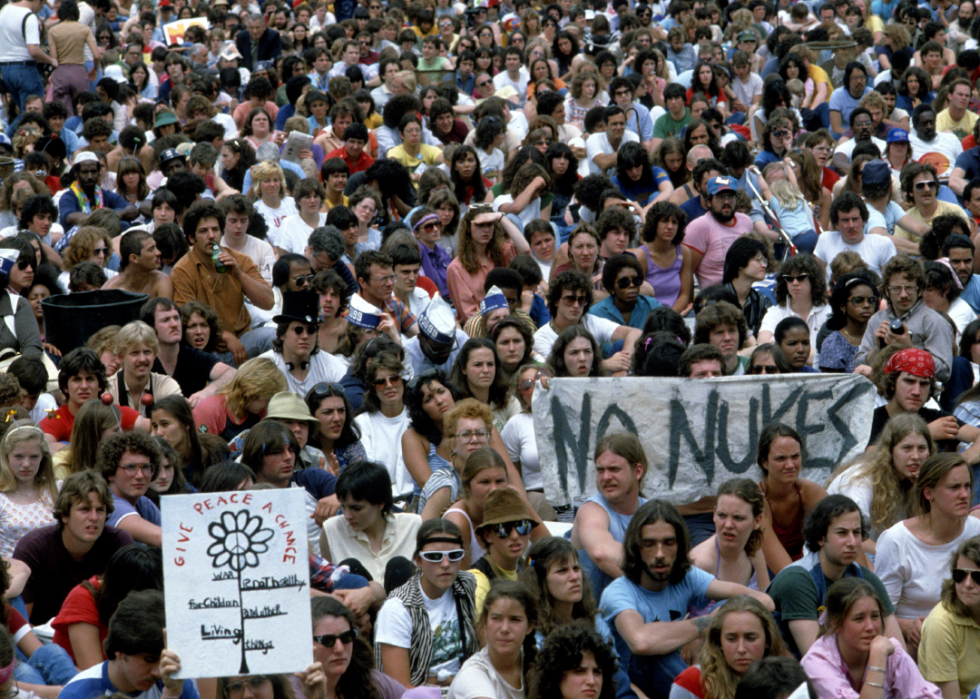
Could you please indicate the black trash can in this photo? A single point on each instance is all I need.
(71, 319)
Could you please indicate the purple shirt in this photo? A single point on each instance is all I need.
(831, 679)
(434, 266)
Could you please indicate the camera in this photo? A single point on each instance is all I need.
(897, 327)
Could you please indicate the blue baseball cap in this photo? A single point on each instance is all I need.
(721, 184)
(897, 135)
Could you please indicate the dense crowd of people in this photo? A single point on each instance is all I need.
(360, 237)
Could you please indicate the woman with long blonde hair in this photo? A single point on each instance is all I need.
(268, 191)
(28, 488)
(881, 481)
(241, 404)
(740, 634)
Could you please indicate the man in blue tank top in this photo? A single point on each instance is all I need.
(600, 524)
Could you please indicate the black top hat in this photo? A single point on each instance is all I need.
(303, 306)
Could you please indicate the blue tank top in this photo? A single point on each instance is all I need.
(435, 461)
(617, 527)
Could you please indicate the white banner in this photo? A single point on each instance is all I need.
(237, 582)
(696, 433)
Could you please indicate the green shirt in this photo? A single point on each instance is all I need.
(667, 126)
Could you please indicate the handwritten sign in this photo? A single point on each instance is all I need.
(236, 580)
(696, 434)
(174, 31)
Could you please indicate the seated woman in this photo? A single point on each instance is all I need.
(172, 419)
(801, 293)
(789, 498)
(950, 635)
(83, 622)
(313, 680)
(383, 420)
(483, 474)
(369, 532)
(28, 488)
(852, 303)
(475, 374)
(741, 633)
(504, 533)
(575, 354)
(575, 661)
(19, 331)
(425, 445)
(499, 670)
(881, 481)
(349, 668)
(792, 336)
(910, 552)
(848, 662)
(338, 437)
(427, 627)
(242, 403)
(734, 552)
(94, 423)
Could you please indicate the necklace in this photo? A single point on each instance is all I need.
(853, 339)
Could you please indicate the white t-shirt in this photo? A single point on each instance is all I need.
(15, 34)
(962, 315)
(527, 214)
(294, 233)
(274, 218)
(598, 144)
(876, 219)
(228, 122)
(260, 252)
(818, 316)
(875, 250)
(602, 330)
(382, 440)
(522, 446)
(502, 80)
(479, 678)
(907, 567)
(941, 152)
(746, 91)
(324, 368)
(492, 165)
(394, 627)
(848, 146)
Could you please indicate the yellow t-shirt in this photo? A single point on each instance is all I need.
(483, 585)
(819, 75)
(950, 650)
(944, 208)
(874, 24)
(961, 129)
(428, 155)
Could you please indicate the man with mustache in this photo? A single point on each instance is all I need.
(646, 607)
(709, 237)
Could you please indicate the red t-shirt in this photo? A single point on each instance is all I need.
(16, 624)
(78, 608)
(59, 423)
(829, 178)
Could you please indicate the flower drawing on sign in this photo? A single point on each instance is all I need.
(238, 540)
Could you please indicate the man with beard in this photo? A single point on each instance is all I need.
(939, 149)
(902, 281)
(709, 237)
(862, 130)
(85, 195)
(833, 533)
(646, 607)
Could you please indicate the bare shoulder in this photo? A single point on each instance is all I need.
(812, 493)
(705, 555)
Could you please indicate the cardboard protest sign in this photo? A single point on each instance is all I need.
(174, 31)
(236, 579)
(696, 433)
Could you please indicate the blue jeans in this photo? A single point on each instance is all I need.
(22, 81)
(50, 665)
(806, 242)
(351, 582)
(654, 674)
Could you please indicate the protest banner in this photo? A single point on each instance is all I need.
(696, 433)
(174, 31)
(236, 579)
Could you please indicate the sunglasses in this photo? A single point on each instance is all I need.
(795, 277)
(437, 556)
(503, 530)
(393, 380)
(484, 83)
(764, 369)
(527, 384)
(327, 389)
(304, 280)
(308, 329)
(627, 282)
(861, 300)
(329, 640)
(959, 575)
(579, 300)
(919, 186)
(100, 251)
